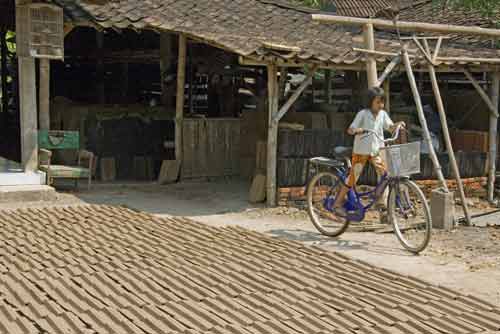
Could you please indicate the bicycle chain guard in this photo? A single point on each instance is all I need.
(354, 208)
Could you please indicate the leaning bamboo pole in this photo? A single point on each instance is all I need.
(447, 140)
(423, 121)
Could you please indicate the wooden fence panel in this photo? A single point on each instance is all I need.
(211, 147)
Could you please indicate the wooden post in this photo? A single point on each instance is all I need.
(282, 82)
(101, 92)
(165, 63)
(328, 86)
(495, 86)
(28, 113)
(3, 54)
(371, 63)
(179, 110)
(125, 83)
(447, 139)
(272, 137)
(44, 95)
(423, 121)
(387, 91)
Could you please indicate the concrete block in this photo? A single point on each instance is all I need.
(169, 172)
(442, 209)
(27, 193)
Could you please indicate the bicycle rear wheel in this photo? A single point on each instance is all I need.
(321, 193)
(410, 215)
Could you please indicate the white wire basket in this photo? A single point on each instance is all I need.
(402, 160)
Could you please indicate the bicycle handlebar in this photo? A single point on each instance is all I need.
(393, 138)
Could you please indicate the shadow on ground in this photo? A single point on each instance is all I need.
(190, 199)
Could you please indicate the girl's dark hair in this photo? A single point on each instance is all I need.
(373, 93)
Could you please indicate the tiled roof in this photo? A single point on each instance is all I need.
(431, 12)
(101, 269)
(359, 8)
(365, 8)
(255, 28)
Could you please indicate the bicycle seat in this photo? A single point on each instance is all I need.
(343, 152)
(327, 162)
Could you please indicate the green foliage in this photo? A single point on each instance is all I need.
(487, 6)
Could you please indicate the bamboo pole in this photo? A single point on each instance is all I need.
(272, 137)
(388, 70)
(444, 125)
(179, 108)
(447, 140)
(495, 86)
(44, 95)
(408, 26)
(371, 63)
(482, 93)
(423, 121)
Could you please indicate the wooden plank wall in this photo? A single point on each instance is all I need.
(296, 147)
(211, 148)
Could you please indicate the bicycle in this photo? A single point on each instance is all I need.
(404, 203)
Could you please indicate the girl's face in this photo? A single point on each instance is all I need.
(377, 104)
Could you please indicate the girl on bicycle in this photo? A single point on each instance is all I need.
(367, 146)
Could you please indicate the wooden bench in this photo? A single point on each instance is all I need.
(64, 140)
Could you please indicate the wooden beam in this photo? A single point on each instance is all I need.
(407, 26)
(392, 65)
(447, 140)
(166, 42)
(28, 113)
(282, 81)
(482, 93)
(387, 91)
(179, 109)
(494, 93)
(101, 91)
(307, 81)
(328, 86)
(44, 95)
(371, 63)
(272, 136)
(423, 121)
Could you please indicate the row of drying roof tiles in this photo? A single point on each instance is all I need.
(245, 27)
(101, 269)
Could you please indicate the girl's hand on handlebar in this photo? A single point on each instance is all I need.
(356, 131)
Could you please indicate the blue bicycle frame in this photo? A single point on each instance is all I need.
(355, 209)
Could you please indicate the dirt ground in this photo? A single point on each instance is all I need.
(466, 259)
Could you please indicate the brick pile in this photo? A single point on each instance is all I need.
(101, 269)
(475, 187)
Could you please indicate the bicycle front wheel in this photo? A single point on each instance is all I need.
(321, 194)
(410, 215)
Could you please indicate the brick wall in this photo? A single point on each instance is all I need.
(474, 187)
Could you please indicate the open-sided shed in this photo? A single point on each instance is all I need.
(271, 34)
